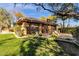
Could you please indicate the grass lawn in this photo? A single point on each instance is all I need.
(9, 45)
(39, 46)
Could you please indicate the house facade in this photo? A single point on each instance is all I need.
(35, 26)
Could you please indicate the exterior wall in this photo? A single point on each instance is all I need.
(41, 29)
(27, 28)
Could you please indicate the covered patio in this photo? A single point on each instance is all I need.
(35, 26)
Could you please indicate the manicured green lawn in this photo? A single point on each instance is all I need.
(9, 45)
(29, 46)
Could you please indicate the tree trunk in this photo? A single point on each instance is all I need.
(68, 23)
(63, 26)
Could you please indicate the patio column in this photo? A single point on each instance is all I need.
(40, 28)
(49, 29)
(24, 28)
(29, 29)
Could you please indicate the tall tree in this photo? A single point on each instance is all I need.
(5, 18)
(52, 19)
(43, 18)
(19, 15)
(61, 10)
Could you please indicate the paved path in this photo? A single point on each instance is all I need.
(64, 35)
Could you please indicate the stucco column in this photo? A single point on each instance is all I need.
(24, 28)
(40, 28)
(50, 29)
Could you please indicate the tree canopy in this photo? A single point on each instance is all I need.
(5, 18)
(19, 15)
(62, 11)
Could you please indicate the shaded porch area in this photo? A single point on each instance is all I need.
(36, 26)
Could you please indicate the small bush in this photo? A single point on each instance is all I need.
(76, 33)
(17, 30)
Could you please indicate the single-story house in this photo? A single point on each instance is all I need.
(32, 25)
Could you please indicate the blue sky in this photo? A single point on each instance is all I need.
(29, 11)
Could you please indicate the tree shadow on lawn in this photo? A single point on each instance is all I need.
(4, 41)
(33, 45)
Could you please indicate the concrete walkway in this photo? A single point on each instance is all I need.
(65, 35)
